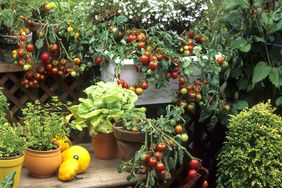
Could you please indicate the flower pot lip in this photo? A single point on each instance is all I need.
(14, 36)
(11, 158)
(121, 129)
(44, 152)
(12, 161)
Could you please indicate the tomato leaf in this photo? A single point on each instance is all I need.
(274, 77)
(240, 104)
(278, 101)
(241, 44)
(261, 71)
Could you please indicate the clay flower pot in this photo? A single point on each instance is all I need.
(128, 142)
(105, 146)
(42, 164)
(9, 164)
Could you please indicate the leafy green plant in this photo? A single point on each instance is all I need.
(105, 103)
(10, 12)
(133, 120)
(44, 123)
(254, 29)
(12, 141)
(252, 153)
(161, 152)
(8, 181)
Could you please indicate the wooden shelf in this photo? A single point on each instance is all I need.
(101, 173)
(9, 67)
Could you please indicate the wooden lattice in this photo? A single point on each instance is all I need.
(67, 89)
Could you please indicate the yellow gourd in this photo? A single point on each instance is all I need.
(79, 153)
(65, 143)
(68, 170)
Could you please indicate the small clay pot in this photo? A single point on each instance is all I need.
(105, 146)
(128, 142)
(42, 164)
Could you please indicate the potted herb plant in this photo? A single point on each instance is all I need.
(104, 105)
(12, 145)
(43, 124)
(129, 132)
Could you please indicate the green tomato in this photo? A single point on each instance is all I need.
(184, 91)
(184, 137)
(149, 72)
(73, 74)
(173, 122)
(89, 64)
(186, 52)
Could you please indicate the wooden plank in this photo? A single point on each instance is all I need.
(7, 67)
(101, 173)
(4, 79)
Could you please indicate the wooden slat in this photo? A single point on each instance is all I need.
(7, 67)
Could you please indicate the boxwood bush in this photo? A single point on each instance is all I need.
(252, 153)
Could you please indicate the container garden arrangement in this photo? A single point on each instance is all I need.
(161, 151)
(104, 105)
(42, 125)
(251, 154)
(129, 132)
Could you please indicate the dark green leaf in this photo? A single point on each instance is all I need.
(240, 104)
(261, 71)
(241, 44)
(274, 77)
(278, 101)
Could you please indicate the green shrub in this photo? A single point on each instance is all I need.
(252, 153)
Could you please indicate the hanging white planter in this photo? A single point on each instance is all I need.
(151, 95)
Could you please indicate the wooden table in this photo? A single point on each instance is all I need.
(101, 173)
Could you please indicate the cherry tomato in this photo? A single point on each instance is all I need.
(145, 157)
(220, 60)
(98, 60)
(191, 174)
(178, 129)
(194, 164)
(159, 156)
(153, 65)
(161, 147)
(192, 95)
(182, 80)
(144, 59)
(45, 57)
(53, 48)
(205, 184)
(139, 91)
(160, 167)
(144, 85)
(152, 162)
(174, 75)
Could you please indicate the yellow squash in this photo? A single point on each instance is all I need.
(68, 170)
(65, 143)
(79, 153)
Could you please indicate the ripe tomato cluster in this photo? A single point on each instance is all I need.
(194, 166)
(137, 87)
(189, 94)
(192, 40)
(154, 160)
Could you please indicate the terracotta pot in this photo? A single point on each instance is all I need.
(42, 164)
(105, 146)
(128, 142)
(11, 164)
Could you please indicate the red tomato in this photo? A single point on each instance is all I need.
(161, 147)
(49, 67)
(205, 184)
(45, 57)
(29, 48)
(152, 162)
(25, 82)
(144, 59)
(141, 45)
(55, 71)
(189, 88)
(191, 174)
(194, 164)
(20, 52)
(153, 58)
(98, 60)
(182, 80)
(192, 95)
(21, 63)
(53, 48)
(145, 157)
(144, 85)
(160, 167)
(174, 75)
(197, 89)
(153, 65)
